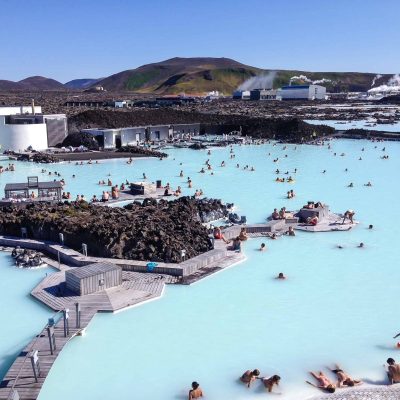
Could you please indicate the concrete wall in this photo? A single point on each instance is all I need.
(131, 136)
(19, 110)
(158, 132)
(180, 130)
(20, 137)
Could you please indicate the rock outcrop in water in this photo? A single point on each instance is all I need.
(141, 151)
(149, 231)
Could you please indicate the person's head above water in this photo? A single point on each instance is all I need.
(361, 244)
(195, 385)
(390, 361)
(370, 227)
(276, 378)
(256, 372)
(330, 388)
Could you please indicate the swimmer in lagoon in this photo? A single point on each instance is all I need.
(250, 376)
(281, 276)
(269, 383)
(263, 247)
(195, 392)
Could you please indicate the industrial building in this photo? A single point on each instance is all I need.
(302, 92)
(241, 95)
(25, 127)
(263, 94)
(133, 136)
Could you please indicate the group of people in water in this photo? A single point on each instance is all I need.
(9, 168)
(321, 381)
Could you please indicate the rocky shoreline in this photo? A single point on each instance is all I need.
(156, 231)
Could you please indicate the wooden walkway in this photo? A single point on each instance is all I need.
(136, 288)
(20, 376)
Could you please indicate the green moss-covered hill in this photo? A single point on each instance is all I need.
(203, 74)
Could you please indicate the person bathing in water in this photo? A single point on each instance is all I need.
(250, 376)
(344, 379)
(323, 382)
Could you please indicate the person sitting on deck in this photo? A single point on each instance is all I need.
(166, 192)
(195, 392)
(309, 205)
(290, 231)
(236, 244)
(349, 214)
(105, 196)
(115, 192)
(94, 199)
(393, 372)
(249, 376)
(282, 213)
(312, 220)
(270, 382)
(243, 234)
(323, 382)
(33, 195)
(344, 379)
(218, 234)
(275, 214)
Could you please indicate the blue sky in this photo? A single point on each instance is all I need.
(72, 39)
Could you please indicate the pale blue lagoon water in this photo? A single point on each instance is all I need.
(335, 305)
(21, 317)
(356, 124)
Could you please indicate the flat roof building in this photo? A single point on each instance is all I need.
(20, 128)
(302, 92)
(263, 94)
(133, 136)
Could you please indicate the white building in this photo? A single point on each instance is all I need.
(133, 136)
(21, 129)
(302, 92)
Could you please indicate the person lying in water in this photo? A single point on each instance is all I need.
(249, 376)
(323, 382)
(344, 379)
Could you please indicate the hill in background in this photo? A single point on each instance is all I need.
(200, 75)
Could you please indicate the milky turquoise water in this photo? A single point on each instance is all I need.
(335, 305)
(358, 124)
(21, 317)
